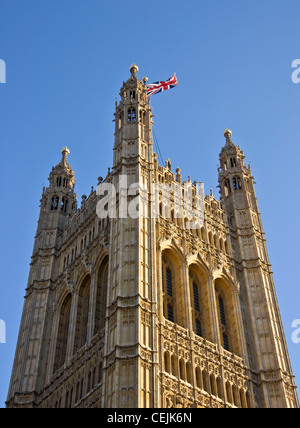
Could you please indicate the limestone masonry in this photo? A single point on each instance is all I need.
(151, 311)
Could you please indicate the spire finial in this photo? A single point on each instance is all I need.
(133, 70)
(65, 152)
(227, 134)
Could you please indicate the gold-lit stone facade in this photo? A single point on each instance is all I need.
(145, 311)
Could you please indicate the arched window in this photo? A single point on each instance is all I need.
(236, 396)
(237, 185)
(64, 204)
(213, 385)
(227, 318)
(223, 323)
(170, 314)
(205, 381)
(169, 296)
(227, 187)
(54, 203)
(232, 162)
(172, 293)
(167, 289)
(189, 373)
(120, 122)
(229, 392)
(169, 282)
(167, 361)
(199, 302)
(198, 327)
(196, 307)
(82, 314)
(172, 216)
(225, 342)
(131, 115)
(62, 334)
(215, 242)
(58, 181)
(174, 365)
(101, 296)
(196, 297)
(219, 387)
(222, 310)
(182, 370)
(198, 378)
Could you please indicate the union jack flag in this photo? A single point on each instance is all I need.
(156, 87)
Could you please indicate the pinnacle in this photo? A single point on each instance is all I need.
(227, 135)
(65, 152)
(133, 70)
(63, 164)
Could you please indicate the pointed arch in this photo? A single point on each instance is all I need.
(63, 332)
(199, 292)
(174, 365)
(182, 369)
(227, 317)
(101, 294)
(198, 376)
(237, 184)
(172, 289)
(167, 362)
(189, 372)
(131, 116)
(54, 203)
(82, 313)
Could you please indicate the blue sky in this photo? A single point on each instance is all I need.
(66, 61)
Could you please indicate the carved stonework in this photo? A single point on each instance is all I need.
(129, 311)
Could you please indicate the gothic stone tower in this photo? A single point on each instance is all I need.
(131, 309)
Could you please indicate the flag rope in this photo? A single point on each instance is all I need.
(158, 148)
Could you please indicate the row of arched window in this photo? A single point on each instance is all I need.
(213, 239)
(82, 388)
(83, 243)
(230, 163)
(62, 181)
(74, 332)
(132, 117)
(209, 382)
(56, 203)
(236, 185)
(177, 309)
